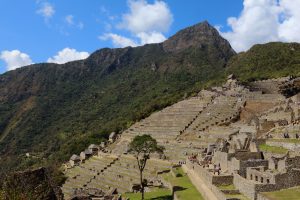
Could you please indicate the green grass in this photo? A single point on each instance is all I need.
(187, 189)
(158, 194)
(287, 194)
(273, 149)
(272, 60)
(226, 187)
(287, 140)
(237, 196)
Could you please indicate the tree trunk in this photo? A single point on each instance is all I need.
(142, 184)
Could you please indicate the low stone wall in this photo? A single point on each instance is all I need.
(209, 179)
(251, 163)
(246, 187)
(262, 197)
(251, 188)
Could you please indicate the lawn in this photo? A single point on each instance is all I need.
(186, 190)
(287, 194)
(273, 149)
(158, 194)
(286, 140)
(226, 187)
(231, 187)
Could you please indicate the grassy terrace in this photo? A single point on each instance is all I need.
(158, 194)
(186, 190)
(231, 187)
(273, 149)
(287, 194)
(226, 187)
(287, 140)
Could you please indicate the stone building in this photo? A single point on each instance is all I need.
(86, 154)
(94, 149)
(74, 160)
(112, 137)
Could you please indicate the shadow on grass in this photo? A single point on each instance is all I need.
(178, 188)
(167, 197)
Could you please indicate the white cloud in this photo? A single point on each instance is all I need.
(146, 17)
(145, 38)
(289, 29)
(46, 10)
(263, 21)
(15, 59)
(145, 21)
(67, 55)
(118, 40)
(69, 19)
(152, 37)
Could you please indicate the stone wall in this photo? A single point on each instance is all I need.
(242, 155)
(222, 158)
(240, 166)
(259, 175)
(262, 197)
(245, 186)
(251, 188)
(209, 180)
(289, 179)
(251, 163)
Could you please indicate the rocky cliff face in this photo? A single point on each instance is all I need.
(202, 36)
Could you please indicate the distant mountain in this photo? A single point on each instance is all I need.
(52, 111)
(265, 61)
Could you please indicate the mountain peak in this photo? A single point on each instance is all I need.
(198, 36)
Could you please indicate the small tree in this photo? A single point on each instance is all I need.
(142, 146)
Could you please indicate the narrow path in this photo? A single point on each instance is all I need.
(199, 184)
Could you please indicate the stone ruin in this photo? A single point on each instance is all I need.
(217, 134)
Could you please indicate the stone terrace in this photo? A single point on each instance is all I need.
(109, 171)
(222, 111)
(165, 126)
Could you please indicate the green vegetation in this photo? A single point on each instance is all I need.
(185, 190)
(272, 60)
(226, 187)
(234, 196)
(286, 140)
(157, 194)
(273, 149)
(36, 184)
(142, 146)
(54, 111)
(287, 194)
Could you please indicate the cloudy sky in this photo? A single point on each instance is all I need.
(59, 31)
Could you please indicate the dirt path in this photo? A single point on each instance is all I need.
(199, 184)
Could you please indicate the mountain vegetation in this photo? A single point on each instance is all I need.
(50, 111)
(263, 61)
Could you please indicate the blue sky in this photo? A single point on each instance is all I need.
(35, 31)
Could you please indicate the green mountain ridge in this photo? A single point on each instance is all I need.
(264, 61)
(52, 111)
